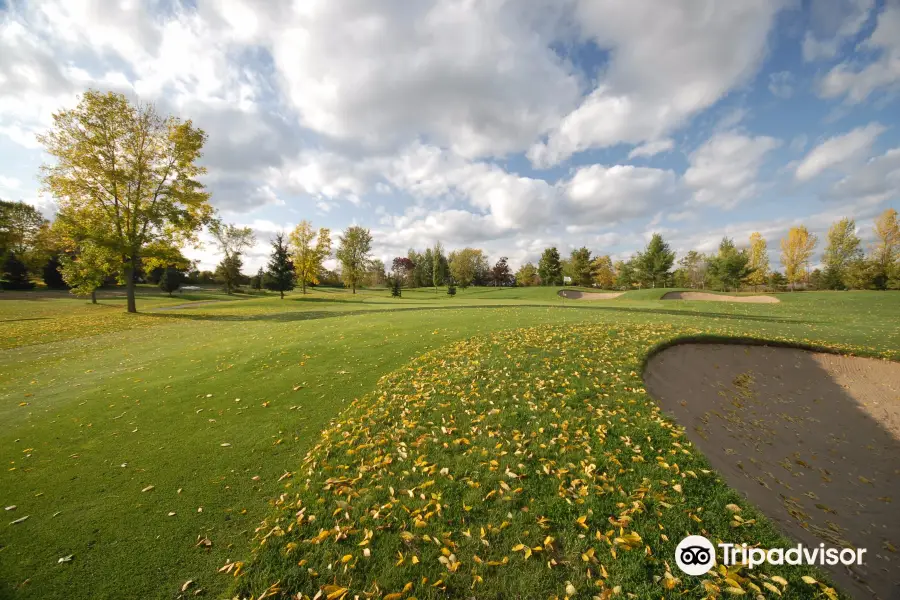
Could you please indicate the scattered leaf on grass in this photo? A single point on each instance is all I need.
(148, 488)
(66, 559)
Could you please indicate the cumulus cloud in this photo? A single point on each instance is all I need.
(461, 75)
(652, 148)
(723, 171)
(857, 83)
(849, 148)
(833, 23)
(875, 181)
(668, 62)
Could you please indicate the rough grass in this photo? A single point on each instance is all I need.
(161, 391)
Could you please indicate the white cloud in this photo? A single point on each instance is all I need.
(848, 148)
(834, 22)
(781, 84)
(652, 148)
(875, 181)
(608, 195)
(669, 61)
(723, 171)
(461, 75)
(856, 84)
(9, 183)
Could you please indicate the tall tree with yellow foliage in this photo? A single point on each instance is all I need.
(759, 260)
(886, 253)
(604, 274)
(125, 177)
(796, 250)
(311, 248)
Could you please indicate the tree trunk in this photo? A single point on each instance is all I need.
(93, 296)
(129, 284)
(353, 286)
(303, 286)
(282, 294)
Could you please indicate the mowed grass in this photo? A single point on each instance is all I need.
(213, 404)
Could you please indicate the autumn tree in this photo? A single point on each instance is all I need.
(694, 265)
(353, 252)
(280, 270)
(842, 249)
(125, 176)
(653, 264)
(231, 241)
(87, 268)
(464, 265)
(759, 260)
(311, 248)
(604, 276)
(402, 268)
(886, 253)
(376, 275)
(550, 268)
(527, 275)
(796, 251)
(23, 233)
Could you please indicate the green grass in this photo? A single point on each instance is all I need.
(85, 389)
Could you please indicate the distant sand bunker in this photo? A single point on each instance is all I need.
(720, 297)
(811, 439)
(576, 295)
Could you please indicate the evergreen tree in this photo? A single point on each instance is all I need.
(52, 277)
(549, 267)
(439, 266)
(580, 267)
(730, 266)
(280, 273)
(501, 275)
(653, 264)
(257, 281)
(451, 289)
(14, 275)
(395, 287)
(170, 280)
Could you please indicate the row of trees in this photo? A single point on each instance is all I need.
(126, 181)
(846, 265)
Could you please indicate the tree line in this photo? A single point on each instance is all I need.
(846, 264)
(125, 179)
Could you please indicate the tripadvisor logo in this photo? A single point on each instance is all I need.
(696, 555)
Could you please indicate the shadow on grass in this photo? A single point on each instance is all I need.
(287, 317)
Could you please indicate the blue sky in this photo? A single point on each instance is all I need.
(504, 125)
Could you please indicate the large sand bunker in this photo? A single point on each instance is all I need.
(576, 295)
(720, 297)
(811, 439)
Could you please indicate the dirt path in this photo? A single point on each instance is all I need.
(576, 295)
(811, 439)
(720, 297)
